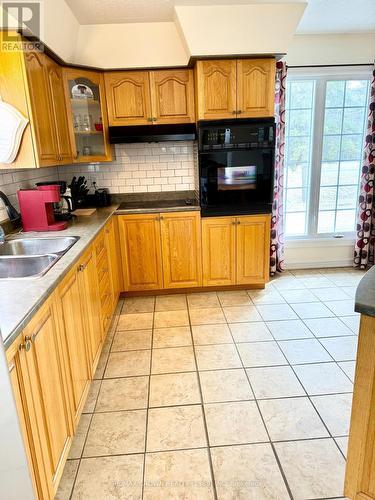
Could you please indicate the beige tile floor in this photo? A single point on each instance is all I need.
(228, 395)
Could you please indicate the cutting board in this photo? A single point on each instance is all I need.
(84, 211)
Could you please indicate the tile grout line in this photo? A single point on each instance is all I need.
(264, 425)
(148, 401)
(112, 327)
(202, 406)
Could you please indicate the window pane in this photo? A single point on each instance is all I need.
(300, 94)
(345, 101)
(327, 199)
(337, 153)
(349, 172)
(298, 174)
(345, 220)
(326, 222)
(296, 200)
(347, 197)
(333, 121)
(351, 147)
(356, 92)
(329, 173)
(331, 147)
(299, 122)
(295, 223)
(298, 148)
(299, 113)
(353, 120)
(335, 94)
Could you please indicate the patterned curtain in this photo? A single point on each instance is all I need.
(277, 226)
(364, 252)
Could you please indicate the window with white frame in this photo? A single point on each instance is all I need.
(326, 115)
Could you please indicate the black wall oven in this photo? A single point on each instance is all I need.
(236, 166)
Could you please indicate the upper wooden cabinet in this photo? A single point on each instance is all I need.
(128, 97)
(31, 82)
(172, 96)
(242, 88)
(147, 97)
(255, 88)
(56, 88)
(87, 114)
(216, 89)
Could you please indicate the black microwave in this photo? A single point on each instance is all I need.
(236, 166)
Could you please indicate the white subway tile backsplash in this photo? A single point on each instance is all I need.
(136, 168)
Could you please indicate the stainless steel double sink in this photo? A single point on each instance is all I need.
(32, 256)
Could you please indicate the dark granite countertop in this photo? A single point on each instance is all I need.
(155, 206)
(365, 294)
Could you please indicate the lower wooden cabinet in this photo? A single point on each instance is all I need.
(219, 251)
(90, 305)
(181, 249)
(360, 466)
(161, 250)
(41, 385)
(113, 248)
(52, 362)
(235, 250)
(252, 249)
(70, 312)
(141, 251)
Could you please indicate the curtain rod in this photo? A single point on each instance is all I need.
(329, 65)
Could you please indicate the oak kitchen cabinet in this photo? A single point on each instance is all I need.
(160, 250)
(150, 97)
(53, 360)
(87, 115)
(40, 388)
(141, 252)
(181, 249)
(72, 326)
(31, 82)
(235, 88)
(235, 250)
(360, 466)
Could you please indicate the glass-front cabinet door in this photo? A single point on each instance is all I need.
(87, 112)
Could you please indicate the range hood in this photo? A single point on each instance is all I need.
(153, 133)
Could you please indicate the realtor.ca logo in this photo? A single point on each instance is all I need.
(24, 17)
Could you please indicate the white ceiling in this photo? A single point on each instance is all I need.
(321, 16)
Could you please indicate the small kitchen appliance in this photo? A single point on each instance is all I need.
(37, 208)
(63, 209)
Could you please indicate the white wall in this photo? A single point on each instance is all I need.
(133, 45)
(239, 29)
(354, 48)
(60, 28)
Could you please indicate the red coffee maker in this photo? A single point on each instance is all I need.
(36, 207)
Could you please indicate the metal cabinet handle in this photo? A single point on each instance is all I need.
(239, 112)
(234, 112)
(154, 119)
(82, 267)
(161, 218)
(27, 345)
(149, 119)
